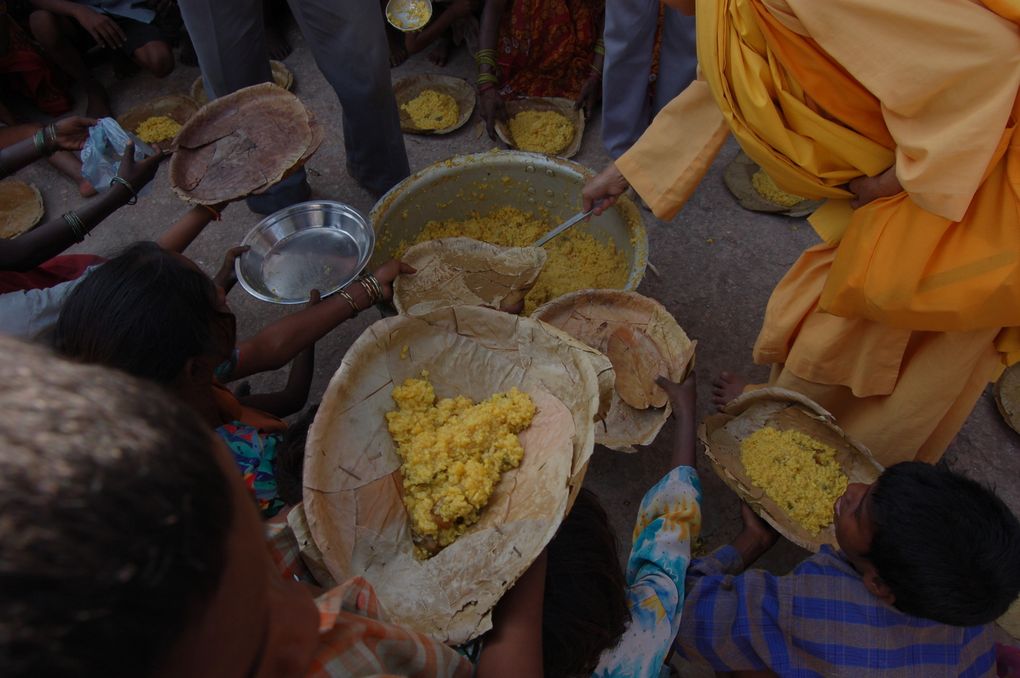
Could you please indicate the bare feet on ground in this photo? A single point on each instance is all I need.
(85, 189)
(726, 387)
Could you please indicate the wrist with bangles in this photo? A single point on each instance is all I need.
(373, 291)
(77, 226)
(126, 184)
(45, 140)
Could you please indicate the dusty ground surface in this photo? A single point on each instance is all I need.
(717, 265)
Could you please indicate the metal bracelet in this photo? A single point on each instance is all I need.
(126, 184)
(39, 139)
(372, 288)
(50, 136)
(76, 225)
(346, 296)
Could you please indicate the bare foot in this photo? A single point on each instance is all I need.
(279, 48)
(726, 387)
(441, 52)
(398, 52)
(85, 189)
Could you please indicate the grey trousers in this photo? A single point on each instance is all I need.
(348, 41)
(629, 36)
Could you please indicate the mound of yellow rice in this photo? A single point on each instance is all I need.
(432, 110)
(576, 260)
(157, 128)
(767, 189)
(454, 453)
(799, 473)
(541, 131)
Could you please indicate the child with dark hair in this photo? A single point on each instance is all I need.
(928, 560)
(130, 548)
(152, 313)
(584, 611)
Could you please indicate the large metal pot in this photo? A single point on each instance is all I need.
(483, 182)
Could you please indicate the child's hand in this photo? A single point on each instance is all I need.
(683, 397)
(226, 277)
(388, 272)
(141, 173)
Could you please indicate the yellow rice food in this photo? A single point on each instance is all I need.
(432, 110)
(766, 188)
(454, 453)
(798, 472)
(541, 131)
(157, 128)
(410, 16)
(576, 260)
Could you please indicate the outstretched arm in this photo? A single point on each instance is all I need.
(56, 235)
(278, 344)
(514, 645)
(294, 395)
(68, 134)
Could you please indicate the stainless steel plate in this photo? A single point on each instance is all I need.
(319, 245)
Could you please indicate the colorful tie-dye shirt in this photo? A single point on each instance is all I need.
(255, 455)
(668, 522)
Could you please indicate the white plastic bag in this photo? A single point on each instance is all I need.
(102, 153)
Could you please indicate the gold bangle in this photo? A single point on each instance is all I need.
(346, 296)
(484, 78)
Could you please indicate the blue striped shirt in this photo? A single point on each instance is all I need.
(819, 620)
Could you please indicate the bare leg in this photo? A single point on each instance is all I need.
(51, 31)
(68, 164)
(156, 57)
(726, 387)
(398, 51)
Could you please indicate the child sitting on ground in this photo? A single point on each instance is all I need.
(152, 313)
(66, 28)
(928, 560)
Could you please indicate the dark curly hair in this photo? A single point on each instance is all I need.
(115, 516)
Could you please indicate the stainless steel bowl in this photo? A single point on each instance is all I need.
(460, 186)
(319, 245)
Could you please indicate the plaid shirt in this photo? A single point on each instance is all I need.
(354, 637)
(820, 620)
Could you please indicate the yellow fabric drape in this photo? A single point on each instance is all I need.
(908, 294)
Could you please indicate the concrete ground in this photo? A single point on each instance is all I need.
(717, 264)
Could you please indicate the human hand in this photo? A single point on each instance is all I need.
(866, 189)
(141, 173)
(683, 397)
(388, 272)
(226, 277)
(493, 110)
(104, 30)
(590, 96)
(72, 132)
(603, 188)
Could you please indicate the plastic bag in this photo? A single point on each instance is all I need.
(102, 153)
